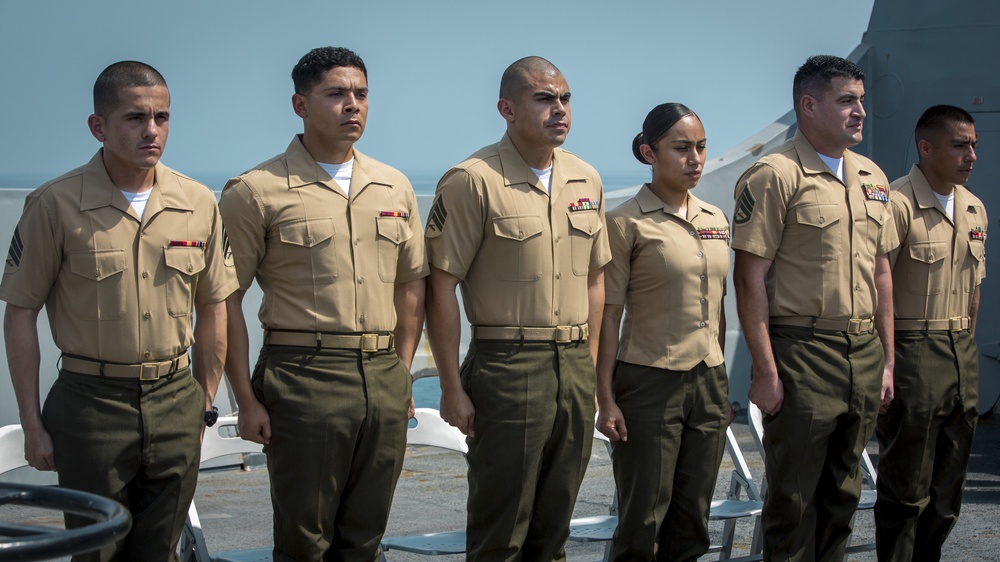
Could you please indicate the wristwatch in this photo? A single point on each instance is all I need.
(211, 416)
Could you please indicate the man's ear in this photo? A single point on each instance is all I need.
(96, 125)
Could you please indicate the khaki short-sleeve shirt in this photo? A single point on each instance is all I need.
(821, 234)
(326, 262)
(117, 288)
(939, 262)
(523, 255)
(670, 274)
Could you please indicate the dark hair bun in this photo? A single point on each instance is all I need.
(636, 143)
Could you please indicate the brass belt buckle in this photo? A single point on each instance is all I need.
(369, 343)
(955, 324)
(564, 334)
(149, 371)
(854, 325)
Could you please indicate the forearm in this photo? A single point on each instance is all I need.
(23, 360)
(595, 312)
(409, 302)
(444, 330)
(607, 354)
(210, 347)
(753, 310)
(884, 309)
(238, 351)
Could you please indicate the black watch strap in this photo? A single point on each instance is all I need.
(211, 416)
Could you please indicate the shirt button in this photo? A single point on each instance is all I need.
(362, 319)
(822, 220)
(702, 276)
(361, 280)
(358, 241)
(701, 324)
(700, 254)
(309, 240)
(556, 313)
(147, 355)
(146, 315)
(703, 300)
(190, 268)
(558, 238)
(691, 233)
(558, 275)
(145, 274)
(97, 273)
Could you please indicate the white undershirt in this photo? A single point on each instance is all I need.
(137, 200)
(948, 203)
(835, 164)
(341, 173)
(545, 176)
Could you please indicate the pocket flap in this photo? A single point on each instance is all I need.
(820, 215)
(394, 229)
(306, 232)
(517, 228)
(929, 252)
(187, 260)
(978, 249)
(97, 264)
(587, 221)
(876, 211)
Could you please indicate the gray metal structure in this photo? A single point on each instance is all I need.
(916, 53)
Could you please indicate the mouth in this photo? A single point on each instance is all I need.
(694, 174)
(149, 148)
(559, 126)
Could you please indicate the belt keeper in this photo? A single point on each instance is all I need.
(814, 326)
(102, 370)
(319, 341)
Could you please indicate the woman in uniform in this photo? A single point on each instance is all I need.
(662, 385)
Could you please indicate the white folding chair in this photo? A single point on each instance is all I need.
(868, 475)
(11, 448)
(431, 431)
(220, 440)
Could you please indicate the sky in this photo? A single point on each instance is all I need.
(433, 67)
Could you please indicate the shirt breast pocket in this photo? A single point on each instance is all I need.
(819, 231)
(310, 247)
(183, 264)
(100, 293)
(977, 249)
(584, 226)
(392, 233)
(520, 248)
(928, 259)
(877, 213)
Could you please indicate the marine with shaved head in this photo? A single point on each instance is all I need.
(519, 225)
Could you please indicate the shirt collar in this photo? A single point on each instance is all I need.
(99, 191)
(303, 170)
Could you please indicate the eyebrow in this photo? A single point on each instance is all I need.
(363, 90)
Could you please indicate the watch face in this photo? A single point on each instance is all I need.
(211, 416)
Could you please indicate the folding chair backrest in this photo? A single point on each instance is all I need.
(432, 430)
(741, 470)
(11, 448)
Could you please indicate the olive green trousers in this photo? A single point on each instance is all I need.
(338, 435)
(136, 442)
(925, 440)
(534, 429)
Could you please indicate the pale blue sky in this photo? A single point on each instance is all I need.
(434, 68)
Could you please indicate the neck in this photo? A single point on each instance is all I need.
(538, 157)
(135, 180)
(938, 185)
(828, 150)
(675, 198)
(328, 152)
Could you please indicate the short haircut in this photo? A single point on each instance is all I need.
(936, 120)
(117, 77)
(514, 79)
(658, 122)
(816, 74)
(313, 65)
